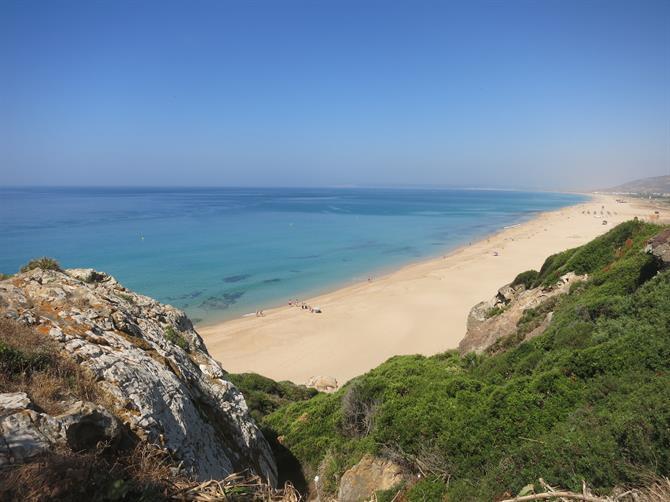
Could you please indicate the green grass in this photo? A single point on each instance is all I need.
(588, 399)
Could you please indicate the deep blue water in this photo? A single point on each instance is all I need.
(219, 253)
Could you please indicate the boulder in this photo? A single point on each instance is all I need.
(85, 425)
(13, 401)
(322, 383)
(21, 436)
(659, 246)
(507, 294)
(368, 476)
(26, 433)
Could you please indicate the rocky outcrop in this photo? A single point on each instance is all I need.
(369, 475)
(498, 317)
(148, 358)
(659, 246)
(26, 433)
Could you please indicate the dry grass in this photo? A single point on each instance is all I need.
(358, 412)
(33, 363)
(236, 487)
(657, 490)
(143, 473)
(140, 473)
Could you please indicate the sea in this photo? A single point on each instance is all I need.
(220, 253)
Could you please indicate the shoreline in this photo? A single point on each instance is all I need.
(384, 270)
(421, 307)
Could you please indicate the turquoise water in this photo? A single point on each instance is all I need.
(219, 253)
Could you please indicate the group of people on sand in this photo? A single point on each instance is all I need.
(260, 313)
(303, 306)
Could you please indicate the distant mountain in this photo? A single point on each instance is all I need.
(657, 184)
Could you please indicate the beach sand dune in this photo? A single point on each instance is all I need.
(419, 309)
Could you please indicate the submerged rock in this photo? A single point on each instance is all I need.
(149, 359)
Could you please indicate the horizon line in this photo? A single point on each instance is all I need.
(303, 187)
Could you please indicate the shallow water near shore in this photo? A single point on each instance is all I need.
(219, 253)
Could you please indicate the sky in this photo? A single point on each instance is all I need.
(548, 94)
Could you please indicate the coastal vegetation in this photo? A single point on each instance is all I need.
(263, 395)
(45, 263)
(30, 362)
(526, 278)
(586, 400)
(173, 336)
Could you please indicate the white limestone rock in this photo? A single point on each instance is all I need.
(173, 397)
(12, 402)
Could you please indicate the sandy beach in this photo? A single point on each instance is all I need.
(421, 308)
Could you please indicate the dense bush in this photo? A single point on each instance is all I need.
(427, 490)
(263, 395)
(526, 278)
(588, 399)
(45, 263)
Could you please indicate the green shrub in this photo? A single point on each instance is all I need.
(173, 336)
(45, 263)
(14, 361)
(526, 278)
(390, 495)
(598, 253)
(427, 490)
(263, 395)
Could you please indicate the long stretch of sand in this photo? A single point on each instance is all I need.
(420, 308)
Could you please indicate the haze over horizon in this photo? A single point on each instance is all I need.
(537, 95)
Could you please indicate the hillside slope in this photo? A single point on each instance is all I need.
(585, 400)
(655, 185)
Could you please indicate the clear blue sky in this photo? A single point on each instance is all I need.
(538, 94)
